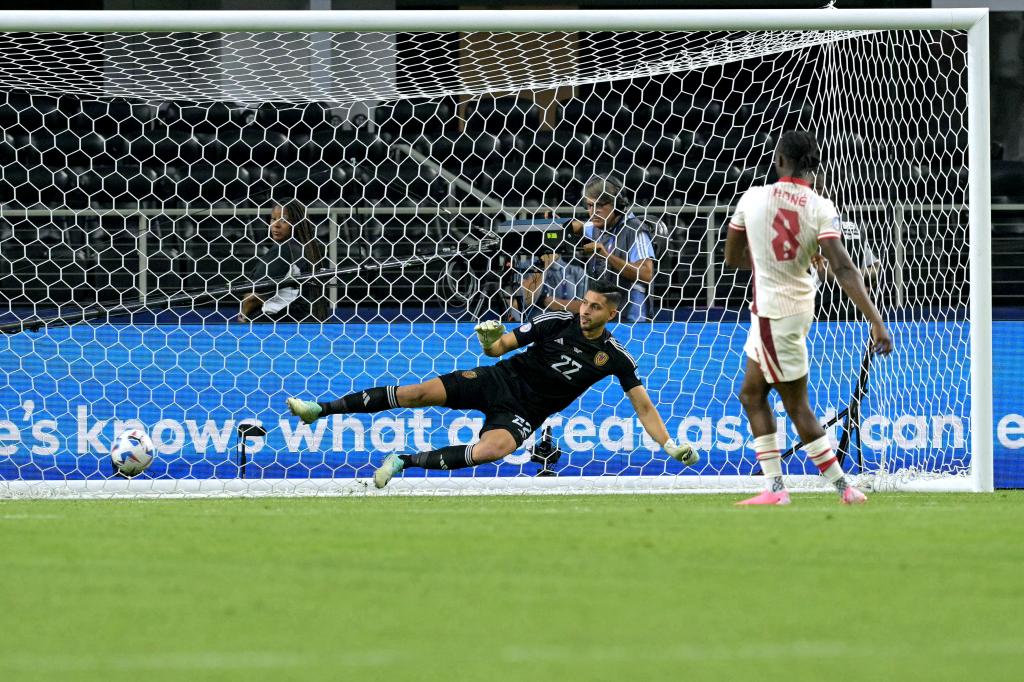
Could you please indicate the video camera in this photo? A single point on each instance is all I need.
(546, 453)
(528, 240)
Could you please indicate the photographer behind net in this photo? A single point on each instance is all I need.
(294, 251)
(618, 245)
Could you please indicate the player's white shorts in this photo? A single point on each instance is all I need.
(779, 346)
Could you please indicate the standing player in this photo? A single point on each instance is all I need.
(569, 353)
(775, 231)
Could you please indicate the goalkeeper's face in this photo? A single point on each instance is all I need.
(595, 311)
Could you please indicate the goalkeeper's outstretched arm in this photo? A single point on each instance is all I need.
(494, 339)
(655, 427)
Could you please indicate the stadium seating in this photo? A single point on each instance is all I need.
(692, 149)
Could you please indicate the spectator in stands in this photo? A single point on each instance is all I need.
(294, 251)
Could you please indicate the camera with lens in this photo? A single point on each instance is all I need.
(565, 242)
(527, 240)
(546, 453)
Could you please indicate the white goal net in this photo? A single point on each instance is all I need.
(139, 171)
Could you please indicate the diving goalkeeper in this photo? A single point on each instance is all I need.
(569, 354)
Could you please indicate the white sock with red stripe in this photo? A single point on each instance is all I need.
(767, 451)
(820, 452)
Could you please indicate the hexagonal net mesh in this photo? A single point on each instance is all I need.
(420, 174)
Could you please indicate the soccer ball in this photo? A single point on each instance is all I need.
(131, 453)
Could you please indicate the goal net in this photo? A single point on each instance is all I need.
(140, 170)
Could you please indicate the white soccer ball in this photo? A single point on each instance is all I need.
(132, 452)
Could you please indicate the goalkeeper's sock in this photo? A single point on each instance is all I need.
(767, 450)
(448, 458)
(370, 400)
(820, 452)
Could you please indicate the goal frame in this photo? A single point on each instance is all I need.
(973, 21)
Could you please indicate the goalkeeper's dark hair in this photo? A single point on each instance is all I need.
(801, 147)
(611, 292)
(294, 212)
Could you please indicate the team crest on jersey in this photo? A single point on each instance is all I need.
(469, 374)
(601, 359)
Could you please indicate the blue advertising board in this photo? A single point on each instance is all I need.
(65, 392)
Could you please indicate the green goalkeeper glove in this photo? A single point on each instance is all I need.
(683, 453)
(489, 332)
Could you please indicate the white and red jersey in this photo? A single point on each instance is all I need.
(784, 223)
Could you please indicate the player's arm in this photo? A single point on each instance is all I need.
(852, 283)
(737, 249)
(494, 339)
(251, 305)
(655, 427)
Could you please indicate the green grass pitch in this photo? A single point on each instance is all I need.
(685, 587)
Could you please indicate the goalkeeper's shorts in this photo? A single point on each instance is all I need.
(488, 389)
(779, 346)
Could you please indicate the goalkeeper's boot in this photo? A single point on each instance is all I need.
(305, 410)
(767, 497)
(387, 470)
(853, 496)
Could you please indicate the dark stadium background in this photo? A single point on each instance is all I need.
(199, 156)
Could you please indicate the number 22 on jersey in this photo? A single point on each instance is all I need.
(568, 367)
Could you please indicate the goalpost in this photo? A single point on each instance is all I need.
(143, 151)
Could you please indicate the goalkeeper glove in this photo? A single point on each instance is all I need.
(683, 453)
(488, 332)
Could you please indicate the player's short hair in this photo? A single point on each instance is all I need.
(611, 292)
(800, 147)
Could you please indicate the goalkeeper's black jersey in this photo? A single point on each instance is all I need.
(560, 363)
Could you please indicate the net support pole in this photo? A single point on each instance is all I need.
(710, 241)
(980, 231)
(332, 255)
(900, 249)
(143, 281)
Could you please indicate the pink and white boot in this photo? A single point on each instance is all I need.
(767, 497)
(853, 496)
